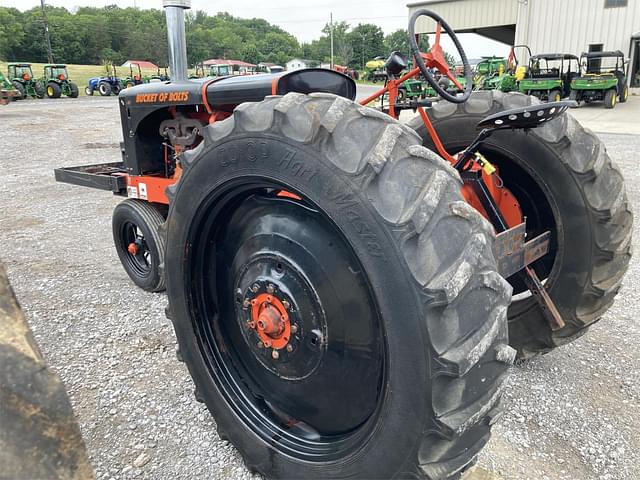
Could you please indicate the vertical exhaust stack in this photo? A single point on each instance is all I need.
(174, 11)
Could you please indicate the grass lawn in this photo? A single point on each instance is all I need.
(80, 74)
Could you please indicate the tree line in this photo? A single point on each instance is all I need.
(91, 35)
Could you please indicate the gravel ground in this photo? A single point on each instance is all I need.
(572, 414)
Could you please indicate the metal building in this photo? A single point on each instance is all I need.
(560, 26)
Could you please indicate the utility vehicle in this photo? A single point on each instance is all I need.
(603, 79)
(57, 83)
(23, 80)
(348, 291)
(111, 84)
(549, 76)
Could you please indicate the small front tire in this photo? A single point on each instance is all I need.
(140, 246)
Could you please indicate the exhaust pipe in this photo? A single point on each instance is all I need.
(174, 11)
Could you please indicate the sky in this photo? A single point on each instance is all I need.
(302, 18)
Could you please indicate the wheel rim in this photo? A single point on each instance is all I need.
(137, 254)
(50, 91)
(298, 349)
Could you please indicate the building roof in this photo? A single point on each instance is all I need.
(616, 53)
(227, 61)
(142, 63)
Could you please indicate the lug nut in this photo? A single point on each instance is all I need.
(289, 348)
(275, 355)
(246, 304)
(286, 304)
(255, 287)
(294, 328)
(260, 345)
(271, 288)
(267, 344)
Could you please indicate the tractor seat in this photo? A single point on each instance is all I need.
(234, 90)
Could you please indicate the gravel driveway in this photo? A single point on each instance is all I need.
(572, 414)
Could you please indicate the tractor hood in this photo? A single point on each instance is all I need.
(226, 93)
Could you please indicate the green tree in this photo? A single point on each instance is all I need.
(367, 41)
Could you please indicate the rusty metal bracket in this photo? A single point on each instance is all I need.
(512, 253)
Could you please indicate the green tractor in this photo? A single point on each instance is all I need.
(7, 90)
(56, 79)
(549, 76)
(23, 80)
(601, 82)
(135, 78)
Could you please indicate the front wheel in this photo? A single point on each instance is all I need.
(610, 98)
(324, 312)
(104, 88)
(565, 182)
(139, 242)
(88, 91)
(555, 96)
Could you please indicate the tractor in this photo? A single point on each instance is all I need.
(57, 83)
(7, 90)
(375, 71)
(136, 78)
(606, 83)
(21, 76)
(160, 76)
(549, 76)
(110, 84)
(347, 291)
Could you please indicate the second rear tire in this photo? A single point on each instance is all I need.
(566, 183)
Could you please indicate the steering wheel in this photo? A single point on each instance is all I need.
(435, 58)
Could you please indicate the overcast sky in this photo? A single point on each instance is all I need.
(302, 18)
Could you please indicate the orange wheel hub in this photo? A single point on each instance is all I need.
(132, 248)
(270, 320)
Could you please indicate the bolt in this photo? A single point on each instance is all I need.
(294, 328)
(275, 355)
(289, 348)
(271, 288)
(251, 324)
(286, 304)
(246, 304)
(255, 287)
(267, 343)
(260, 345)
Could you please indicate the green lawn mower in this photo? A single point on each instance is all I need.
(602, 80)
(56, 79)
(21, 76)
(549, 76)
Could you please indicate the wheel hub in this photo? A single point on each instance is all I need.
(269, 318)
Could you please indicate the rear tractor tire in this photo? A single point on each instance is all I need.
(73, 90)
(565, 182)
(137, 236)
(324, 312)
(53, 90)
(20, 88)
(39, 89)
(610, 98)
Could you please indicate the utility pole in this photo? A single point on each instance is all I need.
(331, 29)
(46, 31)
(363, 52)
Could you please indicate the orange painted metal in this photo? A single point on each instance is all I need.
(286, 194)
(132, 248)
(269, 318)
(149, 188)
